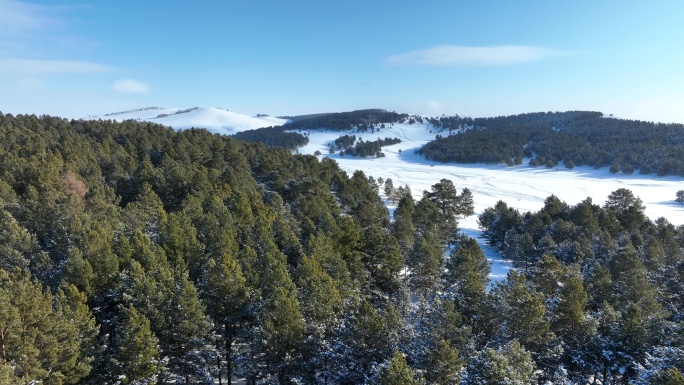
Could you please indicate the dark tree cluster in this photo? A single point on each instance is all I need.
(450, 123)
(363, 120)
(345, 141)
(575, 138)
(134, 254)
(365, 149)
(275, 136)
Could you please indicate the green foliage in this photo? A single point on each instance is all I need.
(273, 137)
(133, 253)
(443, 365)
(524, 312)
(510, 364)
(575, 137)
(42, 340)
(225, 295)
(426, 264)
(138, 358)
(397, 372)
(363, 119)
(670, 376)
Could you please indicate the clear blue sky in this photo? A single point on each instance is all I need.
(473, 58)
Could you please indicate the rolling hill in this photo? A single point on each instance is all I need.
(215, 120)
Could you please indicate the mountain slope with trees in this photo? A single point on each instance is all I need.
(575, 138)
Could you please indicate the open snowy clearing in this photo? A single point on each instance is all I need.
(522, 187)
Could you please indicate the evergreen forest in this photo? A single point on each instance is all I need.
(289, 134)
(575, 138)
(134, 254)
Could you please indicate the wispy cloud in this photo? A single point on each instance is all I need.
(131, 86)
(20, 18)
(32, 66)
(462, 56)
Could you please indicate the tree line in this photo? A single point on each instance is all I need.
(363, 120)
(274, 136)
(575, 138)
(349, 146)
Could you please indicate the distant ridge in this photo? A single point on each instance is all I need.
(213, 119)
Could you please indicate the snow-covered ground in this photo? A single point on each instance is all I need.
(522, 187)
(213, 119)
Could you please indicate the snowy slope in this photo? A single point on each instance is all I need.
(213, 119)
(522, 187)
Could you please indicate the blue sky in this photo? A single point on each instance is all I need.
(472, 58)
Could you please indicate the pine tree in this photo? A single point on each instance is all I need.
(382, 260)
(524, 313)
(444, 196)
(390, 193)
(322, 249)
(628, 209)
(443, 365)
(319, 298)
(367, 341)
(466, 280)
(39, 342)
(397, 372)
(630, 282)
(402, 228)
(225, 296)
(168, 299)
(283, 324)
(510, 364)
(17, 245)
(97, 250)
(178, 237)
(138, 357)
(569, 313)
(547, 275)
(466, 203)
(72, 307)
(146, 213)
(425, 264)
(185, 338)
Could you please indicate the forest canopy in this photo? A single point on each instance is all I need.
(575, 138)
(134, 254)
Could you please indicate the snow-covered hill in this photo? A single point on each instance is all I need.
(213, 119)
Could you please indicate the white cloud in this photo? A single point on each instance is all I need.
(461, 56)
(131, 86)
(32, 66)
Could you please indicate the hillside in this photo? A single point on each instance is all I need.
(563, 139)
(215, 120)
